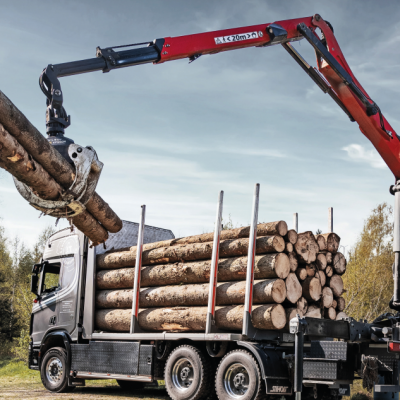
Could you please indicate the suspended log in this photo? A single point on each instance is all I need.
(321, 241)
(306, 247)
(190, 252)
(336, 284)
(301, 273)
(228, 293)
(332, 242)
(341, 303)
(293, 261)
(330, 313)
(293, 288)
(341, 315)
(51, 160)
(339, 263)
(266, 266)
(321, 276)
(327, 297)
(321, 262)
(311, 289)
(329, 271)
(313, 311)
(310, 269)
(289, 247)
(291, 236)
(186, 319)
(15, 159)
(291, 313)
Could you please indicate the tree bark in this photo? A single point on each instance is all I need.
(301, 273)
(306, 247)
(51, 160)
(190, 252)
(321, 241)
(312, 289)
(293, 261)
(321, 262)
(15, 159)
(328, 271)
(327, 297)
(291, 236)
(340, 315)
(336, 284)
(322, 277)
(330, 313)
(341, 303)
(228, 293)
(230, 269)
(313, 311)
(332, 242)
(293, 288)
(289, 247)
(186, 319)
(339, 263)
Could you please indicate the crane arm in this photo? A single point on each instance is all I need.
(332, 74)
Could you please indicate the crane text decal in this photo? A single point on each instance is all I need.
(236, 38)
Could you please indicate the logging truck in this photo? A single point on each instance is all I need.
(313, 358)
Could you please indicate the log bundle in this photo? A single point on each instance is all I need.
(29, 157)
(294, 273)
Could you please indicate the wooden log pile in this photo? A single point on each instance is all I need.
(293, 274)
(27, 155)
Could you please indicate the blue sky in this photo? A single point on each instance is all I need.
(173, 135)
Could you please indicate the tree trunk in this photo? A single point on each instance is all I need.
(312, 289)
(293, 261)
(293, 288)
(310, 268)
(321, 242)
(301, 274)
(289, 247)
(327, 297)
(334, 303)
(230, 269)
(336, 284)
(322, 277)
(341, 303)
(190, 252)
(306, 247)
(186, 319)
(330, 313)
(339, 263)
(313, 311)
(329, 257)
(321, 261)
(332, 242)
(328, 271)
(15, 159)
(291, 236)
(302, 305)
(228, 293)
(340, 315)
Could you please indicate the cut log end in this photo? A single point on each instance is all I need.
(339, 263)
(293, 288)
(312, 289)
(291, 236)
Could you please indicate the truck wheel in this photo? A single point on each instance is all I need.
(187, 374)
(238, 377)
(130, 385)
(54, 372)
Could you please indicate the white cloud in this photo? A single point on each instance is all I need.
(358, 153)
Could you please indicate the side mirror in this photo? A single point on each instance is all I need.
(34, 284)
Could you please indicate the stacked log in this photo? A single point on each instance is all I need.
(290, 272)
(27, 155)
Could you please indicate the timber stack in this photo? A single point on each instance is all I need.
(30, 158)
(293, 274)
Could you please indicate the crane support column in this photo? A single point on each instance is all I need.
(395, 303)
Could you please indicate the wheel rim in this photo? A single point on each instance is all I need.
(182, 374)
(236, 380)
(54, 371)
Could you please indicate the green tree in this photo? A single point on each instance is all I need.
(368, 278)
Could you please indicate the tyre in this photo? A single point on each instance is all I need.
(187, 374)
(238, 377)
(130, 385)
(54, 371)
